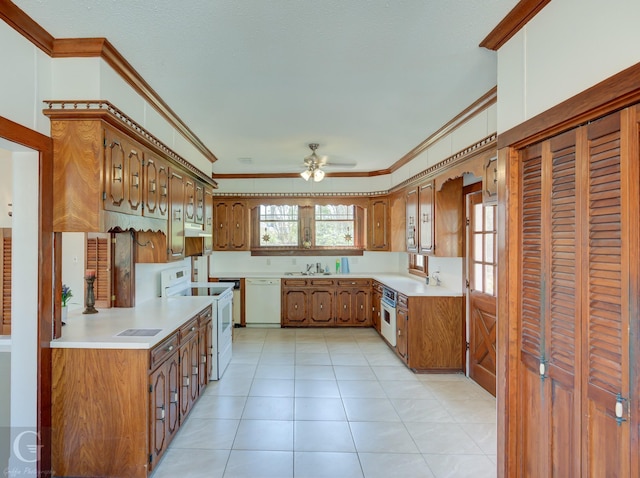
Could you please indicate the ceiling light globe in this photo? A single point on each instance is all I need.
(318, 175)
(306, 174)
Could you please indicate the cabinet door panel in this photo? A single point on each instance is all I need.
(156, 187)
(199, 204)
(378, 225)
(361, 307)
(176, 221)
(426, 218)
(208, 220)
(133, 179)
(322, 307)
(401, 333)
(173, 405)
(344, 307)
(238, 226)
(158, 413)
(114, 172)
(294, 306)
(189, 199)
(412, 220)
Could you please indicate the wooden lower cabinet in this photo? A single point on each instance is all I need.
(430, 333)
(376, 296)
(115, 411)
(326, 302)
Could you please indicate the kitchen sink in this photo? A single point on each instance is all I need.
(307, 273)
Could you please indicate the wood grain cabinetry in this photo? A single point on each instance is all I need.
(5, 281)
(378, 224)
(376, 312)
(412, 231)
(156, 187)
(124, 418)
(123, 159)
(189, 189)
(231, 223)
(207, 246)
(430, 333)
(175, 249)
(326, 302)
(426, 223)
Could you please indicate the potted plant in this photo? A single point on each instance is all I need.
(66, 296)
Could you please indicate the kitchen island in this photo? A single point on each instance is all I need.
(123, 381)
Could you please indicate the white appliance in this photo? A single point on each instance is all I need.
(388, 307)
(262, 302)
(176, 283)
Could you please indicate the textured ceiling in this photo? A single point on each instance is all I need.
(260, 79)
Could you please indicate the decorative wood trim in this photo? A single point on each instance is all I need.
(100, 48)
(23, 24)
(517, 18)
(49, 281)
(614, 93)
(105, 111)
(298, 195)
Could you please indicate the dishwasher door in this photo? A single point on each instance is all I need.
(262, 302)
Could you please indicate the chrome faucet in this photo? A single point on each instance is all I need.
(309, 266)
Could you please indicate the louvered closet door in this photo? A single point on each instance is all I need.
(5, 280)
(99, 259)
(606, 300)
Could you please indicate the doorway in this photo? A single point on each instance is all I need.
(482, 263)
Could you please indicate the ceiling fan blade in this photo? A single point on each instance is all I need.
(338, 164)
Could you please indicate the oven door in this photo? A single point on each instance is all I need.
(388, 322)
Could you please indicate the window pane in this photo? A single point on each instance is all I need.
(477, 278)
(489, 219)
(488, 248)
(278, 225)
(488, 280)
(477, 248)
(477, 217)
(334, 225)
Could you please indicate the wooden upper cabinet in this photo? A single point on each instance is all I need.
(176, 220)
(412, 218)
(231, 226)
(426, 218)
(156, 187)
(199, 203)
(207, 246)
(189, 199)
(378, 225)
(449, 219)
(122, 174)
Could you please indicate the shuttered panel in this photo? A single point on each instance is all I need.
(99, 259)
(531, 252)
(5, 266)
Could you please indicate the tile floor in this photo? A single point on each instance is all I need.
(332, 403)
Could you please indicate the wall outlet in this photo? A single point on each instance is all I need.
(268, 262)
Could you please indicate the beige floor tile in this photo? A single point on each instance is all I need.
(382, 437)
(351, 359)
(326, 465)
(229, 386)
(271, 387)
(213, 434)
(361, 389)
(394, 373)
(418, 411)
(308, 408)
(471, 411)
(314, 372)
(190, 463)
(442, 438)
(394, 465)
(370, 410)
(209, 406)
(406, 389)
(484, 434)
(317, 388)
(272, 435)
(461, 466)
(259, 464)
(355, 372)
(268, 408)
(312, 358)
(321, 435)
(275, 371)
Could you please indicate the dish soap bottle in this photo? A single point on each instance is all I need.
(337, 266)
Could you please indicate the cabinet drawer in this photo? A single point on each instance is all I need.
(188, 329)
(354, 283)
(321, 282)
(403, 301)
(377, 286)
(162, 351)
(294, 282)
(204, 316)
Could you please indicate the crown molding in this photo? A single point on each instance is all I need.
(517, 18)
(98, 48)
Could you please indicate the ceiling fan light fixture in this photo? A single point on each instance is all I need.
(318, 175)
(306, 174)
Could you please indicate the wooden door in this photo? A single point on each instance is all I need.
(360, 298)
(321, 307)
(412, 220)
(238, 226)
(158, 409)
(294, 307)
(208, 220)
(378, 225)
(344, 309)
(5, 281)
(482, 292)
(176, 220)
(221, 229)
(114, 172)
(426, 218)
(99, 259)
(156, 187)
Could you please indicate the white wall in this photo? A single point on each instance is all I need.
(6, 187)
(568, 47)
(73, 266)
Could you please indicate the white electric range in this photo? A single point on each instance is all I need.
(176, 283)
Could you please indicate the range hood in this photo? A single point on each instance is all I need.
(194, 230)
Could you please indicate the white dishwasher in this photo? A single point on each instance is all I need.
(262, 302)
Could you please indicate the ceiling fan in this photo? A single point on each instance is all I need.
(314, 163)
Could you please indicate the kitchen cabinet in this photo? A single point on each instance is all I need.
(231, 225)
(378, 224)
(430, 333)
(426, 209)
(207, 244)
(411, 200)
(156, 187)
(189, 189)
(326, 302)
(376, 297)
(176, 220)
(124, 403)
(199, 203)
(123, 159)
(5, 281)
(205, 350)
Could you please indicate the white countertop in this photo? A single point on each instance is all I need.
(99, 331)
(401, 283)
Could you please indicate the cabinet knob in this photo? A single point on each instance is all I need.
(204, 359)
(192, 328)
(170, 348)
